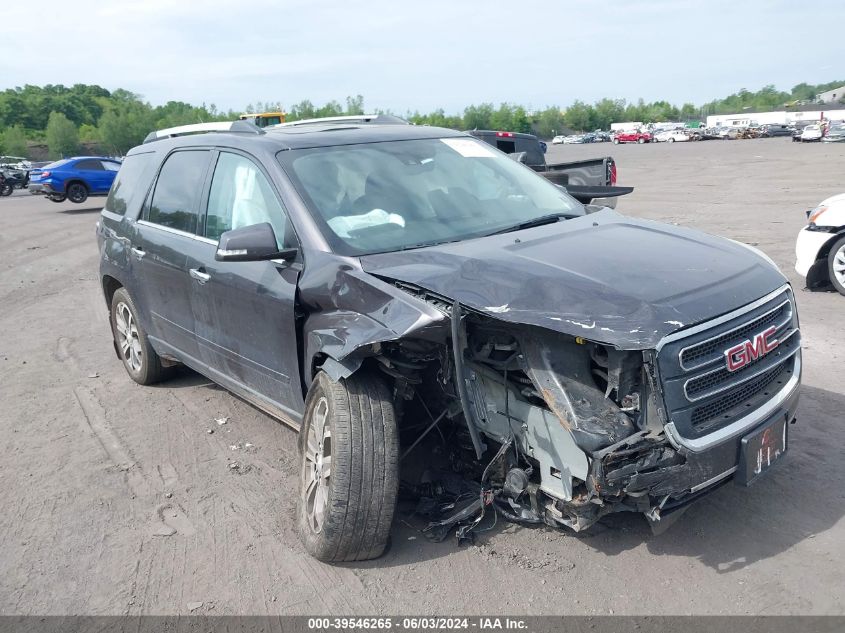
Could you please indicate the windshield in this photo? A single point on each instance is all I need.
(379, 197)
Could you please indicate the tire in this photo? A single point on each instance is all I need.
(640, 141)
(671, 140)
(58, 197)
(139, 358)
(346, 515)
(616, 141)
(77, 192)
(6, 190)
(836, 265)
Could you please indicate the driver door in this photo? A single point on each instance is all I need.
(245, 311)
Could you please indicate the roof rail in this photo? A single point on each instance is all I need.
(352, 118)
(197, 128)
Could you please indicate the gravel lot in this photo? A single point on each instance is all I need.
(119, 500)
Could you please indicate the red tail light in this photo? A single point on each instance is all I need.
(507, 134)
(612, 174)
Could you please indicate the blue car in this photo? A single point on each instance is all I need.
(75, 178)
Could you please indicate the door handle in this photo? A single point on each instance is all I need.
(138, 252)
(199, 275)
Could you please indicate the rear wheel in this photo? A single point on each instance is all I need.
(641, 140)
(671, 139)
(836, 265)
(139, 358)
(350, 468)
(616, 141)
(77, 192)
(6, 190)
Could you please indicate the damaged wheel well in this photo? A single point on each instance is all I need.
(110, 286)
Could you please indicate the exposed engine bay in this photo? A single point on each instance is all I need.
(536, 426)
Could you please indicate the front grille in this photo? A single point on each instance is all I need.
(701, 395)
(708, 415)
(701, 353)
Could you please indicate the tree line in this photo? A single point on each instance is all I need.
(64, 117)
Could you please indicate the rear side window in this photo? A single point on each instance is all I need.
(110, 165)
(177, 191)
(89, 165)
(241, 196)
(130, 186)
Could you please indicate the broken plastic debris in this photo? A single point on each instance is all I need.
(94, 375)
(193, 606)
(221, 421)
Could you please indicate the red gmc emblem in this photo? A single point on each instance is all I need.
(740, 355)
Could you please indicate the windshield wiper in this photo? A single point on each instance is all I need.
(540, 221)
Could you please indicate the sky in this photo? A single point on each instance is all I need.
(422, 55)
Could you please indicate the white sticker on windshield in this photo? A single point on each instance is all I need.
(468, 147)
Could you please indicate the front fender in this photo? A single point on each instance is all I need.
(350, 311)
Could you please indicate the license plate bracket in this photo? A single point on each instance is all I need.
(761, 449)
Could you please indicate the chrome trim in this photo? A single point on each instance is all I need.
(738, 327)
(713, 480)
(741, 425)
(722, 319)
(743, 380)
(167, 229)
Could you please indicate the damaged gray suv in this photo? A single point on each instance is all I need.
(437, 318)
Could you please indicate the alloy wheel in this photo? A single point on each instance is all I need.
(317, 466)
(839, 265)
(128, 340)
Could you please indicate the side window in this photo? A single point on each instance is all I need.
(241, 196)
(110, 166)
(131, 184)
(177, 190)
(89, 165)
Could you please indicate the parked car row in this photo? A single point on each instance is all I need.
(590, 137)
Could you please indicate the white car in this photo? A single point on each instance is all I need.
(557, 140)
(811, 133)
(670, 136)
(820, 249)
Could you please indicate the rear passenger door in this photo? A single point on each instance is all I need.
(94, 175)
(244, 311)
(110, 169)
(165, 238)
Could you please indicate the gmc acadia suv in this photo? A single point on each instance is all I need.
(369, 282)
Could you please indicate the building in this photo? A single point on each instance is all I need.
(799, 115)
(834, 95)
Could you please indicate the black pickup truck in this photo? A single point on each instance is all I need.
(590, 181)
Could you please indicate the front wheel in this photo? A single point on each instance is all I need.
(836, 265)
(671, 140)
(77, 193)
(349, 480)
(616, 141)
(640, 141)
(6, 190)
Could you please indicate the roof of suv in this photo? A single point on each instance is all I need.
(305, 136)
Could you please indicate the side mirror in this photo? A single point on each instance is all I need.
(251, 244)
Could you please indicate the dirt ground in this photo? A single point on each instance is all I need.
(119, 498)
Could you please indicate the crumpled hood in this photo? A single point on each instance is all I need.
(609, 278)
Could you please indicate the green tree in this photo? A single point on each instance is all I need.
(355, 105)
(579, 117)
(125, 126)
(13, 142)
(62, 136)
(479, 117)
(548, 122)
